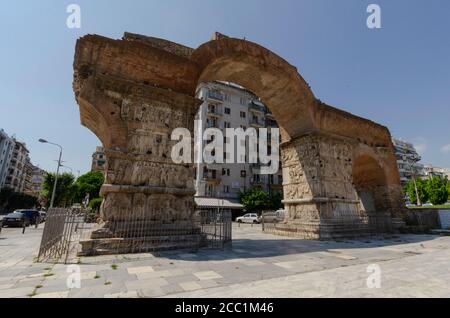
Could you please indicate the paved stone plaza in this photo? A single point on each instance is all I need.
(258, 265)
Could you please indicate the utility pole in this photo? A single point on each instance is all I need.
(52, 201)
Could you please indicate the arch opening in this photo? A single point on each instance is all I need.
(225, 106)
(272, 79)
(370, 183)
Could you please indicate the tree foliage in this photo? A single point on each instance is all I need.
(95, 204)
(65, 189)
(276, 199)
(437, 191)
(434, 190)
(69, 191)
(90, 183)
(256, 200)
(10, 200)
(421, 189)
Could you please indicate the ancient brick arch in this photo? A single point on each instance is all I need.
(267, 75)
(133, 92)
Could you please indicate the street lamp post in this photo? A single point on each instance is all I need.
(52, 201)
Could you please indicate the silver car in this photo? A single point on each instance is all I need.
(249, 218)
(273, 217)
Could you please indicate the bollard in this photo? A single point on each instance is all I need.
(24, 227)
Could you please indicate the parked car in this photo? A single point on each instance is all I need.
(33, 215)
(16, 219)
(273, 217)
(249, 218)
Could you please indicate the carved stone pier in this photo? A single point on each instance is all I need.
(147, 197)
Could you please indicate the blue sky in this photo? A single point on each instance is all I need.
(398, 76)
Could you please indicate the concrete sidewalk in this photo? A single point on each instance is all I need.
(258, 265)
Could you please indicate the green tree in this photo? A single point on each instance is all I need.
(5, 195)
(275, 200)
(255, 200)
(90, 183)
(95, 204)
(421, 188)
(437, 191)
(65, 189)
(10, 200)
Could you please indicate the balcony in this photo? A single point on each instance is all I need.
(256, 107)
(216, 96)
(212, 124)
(214, 111)
(257, 182)
(257, 123)
(270, 115)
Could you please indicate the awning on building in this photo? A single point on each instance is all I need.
(218, 203)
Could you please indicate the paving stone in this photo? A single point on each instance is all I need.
(190, 286)
(128, 294)
(22, 292)
(145, 283)
(140, 270)
(207, 275)
(64, 294)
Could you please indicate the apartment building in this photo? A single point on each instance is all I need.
(227, 105)
(431, 172)
(6, 152)
(98, 160)
(36, 181)
(408, 160)
(17, 177)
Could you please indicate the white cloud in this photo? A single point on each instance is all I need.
(446, 149)
(421, 145)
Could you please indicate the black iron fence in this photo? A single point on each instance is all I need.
(216, 228)
(70, 232)
(64, 228)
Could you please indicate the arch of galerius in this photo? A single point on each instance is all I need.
(133, 92)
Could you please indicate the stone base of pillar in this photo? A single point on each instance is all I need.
(380, 223)
(142, 238)
(318, 231)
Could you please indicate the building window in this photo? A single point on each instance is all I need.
(243, 115)
(226, 189)
(243, 101)
(226, 172)
(243, 174)
(227, 111)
